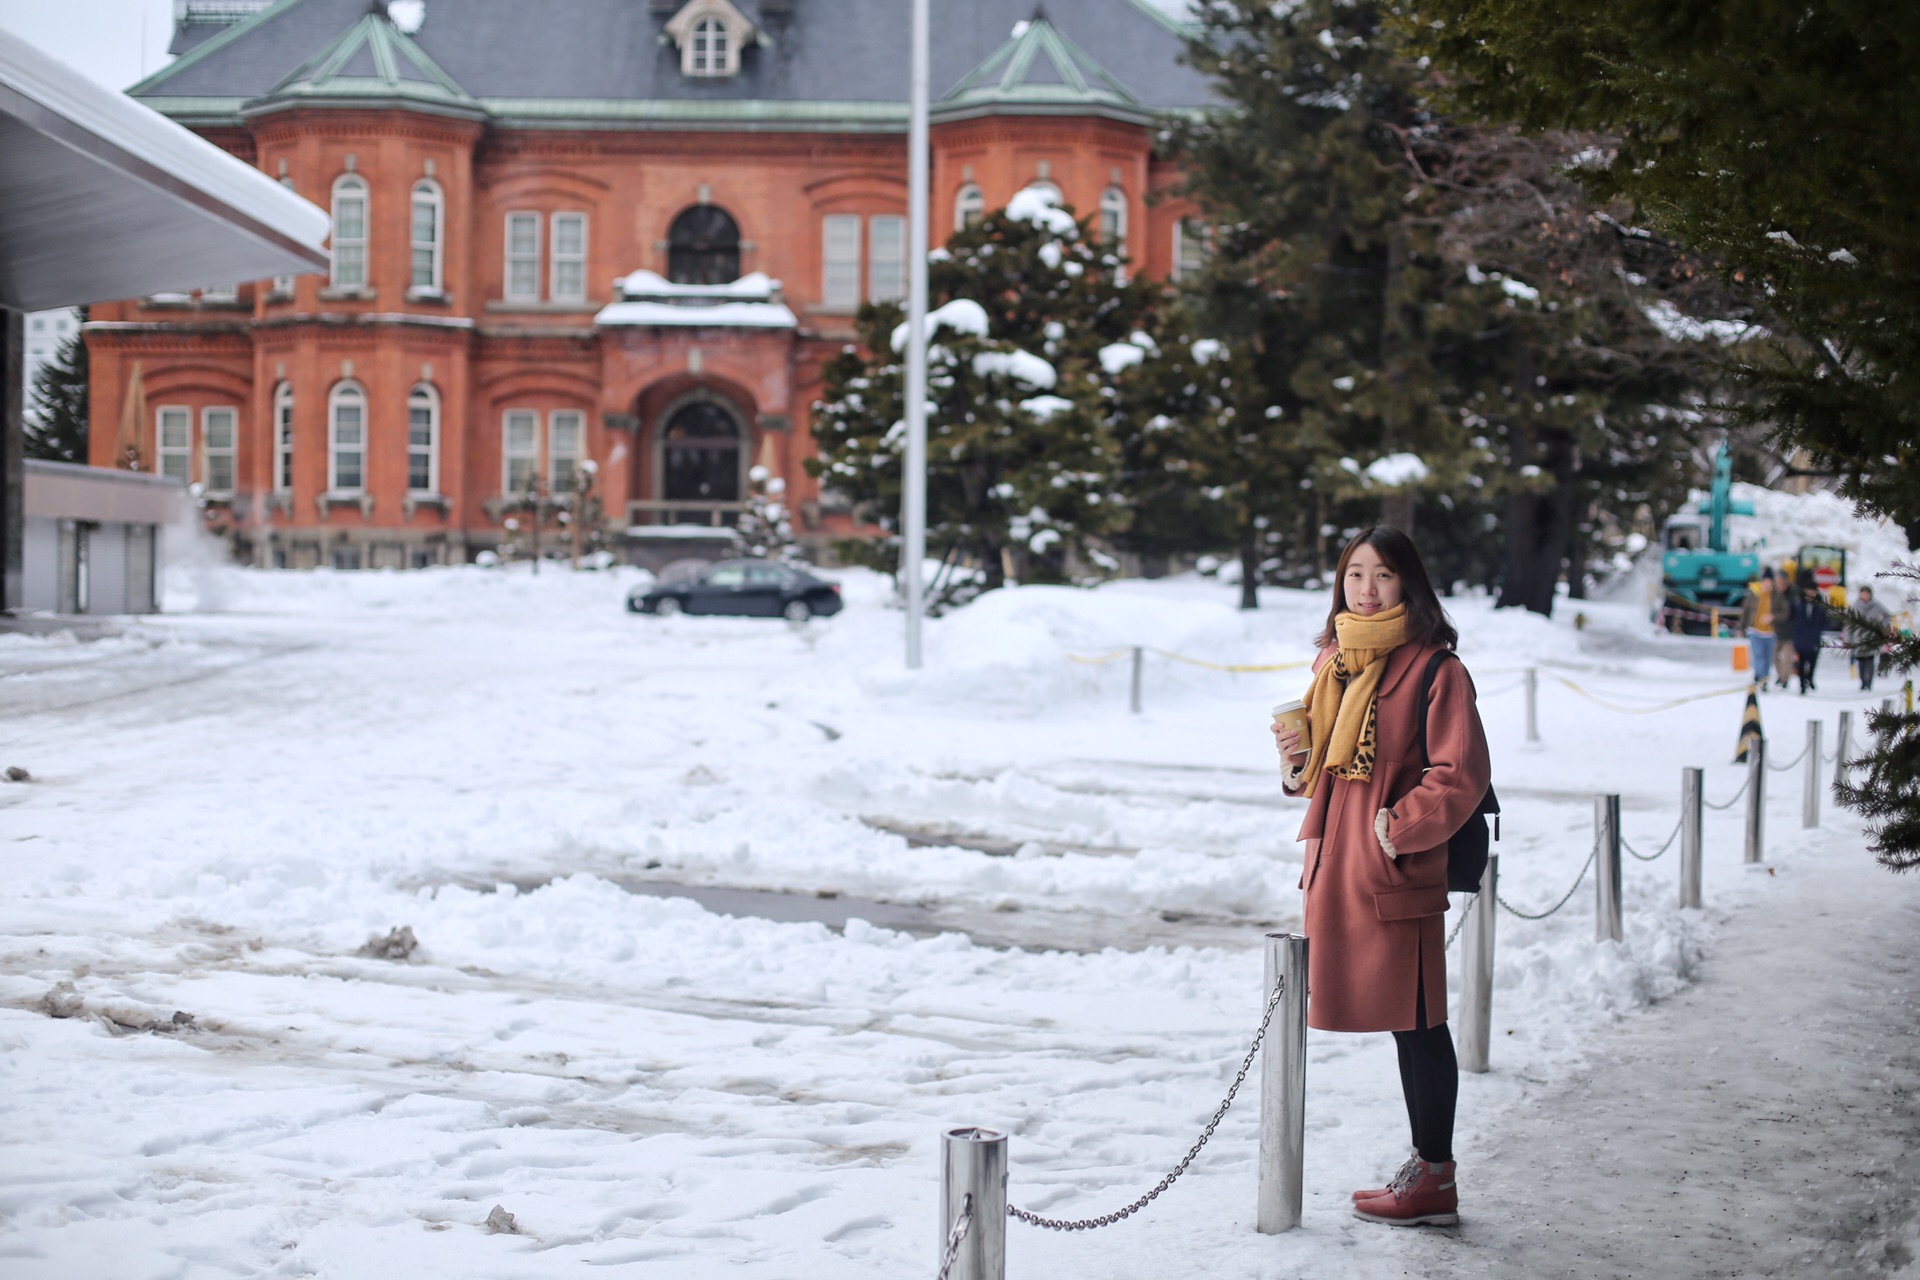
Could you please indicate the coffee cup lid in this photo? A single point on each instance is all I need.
(1295, 704)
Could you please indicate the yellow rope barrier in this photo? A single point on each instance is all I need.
(1232, 666)
(1642, 711)
(1100, 661)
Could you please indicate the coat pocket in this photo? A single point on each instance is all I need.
(1411, 904)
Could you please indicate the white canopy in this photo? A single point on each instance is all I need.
(105, 198)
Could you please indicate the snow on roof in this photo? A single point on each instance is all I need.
(644, 286)
(722, 315)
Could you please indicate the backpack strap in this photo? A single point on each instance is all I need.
(1490, 804)
(1426, 693)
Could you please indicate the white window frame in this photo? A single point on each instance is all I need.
(427, 192)
(840, 271)
(530, 257)
(283, 438)
(349, 249)
(216, 458)
(969, 206)
(887, 272)
(346, 394)
(527, 455)
(563, 463)
(575, 259)
(711, 52)
(173, 459)
(1189, 232)
(424, 398)
(1113, 227)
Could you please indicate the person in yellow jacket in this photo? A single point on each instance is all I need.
(1756, 617)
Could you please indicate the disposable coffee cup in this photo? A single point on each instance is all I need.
(1293, 714)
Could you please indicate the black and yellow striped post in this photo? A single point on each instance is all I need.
(1750, 730)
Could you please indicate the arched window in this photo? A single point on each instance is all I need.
(969, 206)
(347, 438)
(423, 440)
(283, 438)
(429, 229)
(349, 232)
(701, 461)
(703, 246)
(712, 53)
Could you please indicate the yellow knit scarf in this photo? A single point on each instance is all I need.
(1340, 700)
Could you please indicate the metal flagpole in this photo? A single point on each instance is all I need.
(913, 480)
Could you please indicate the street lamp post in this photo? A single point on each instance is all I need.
(913, 542)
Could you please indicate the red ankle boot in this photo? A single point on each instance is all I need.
(1403, 1171)
(1422, 1194)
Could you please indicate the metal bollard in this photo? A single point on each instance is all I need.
(1756, 800)
(974, 1163)
(1810, 786)
(1283, 1088)
(1692, 792)
(1606, 867)
(1886, 709)
(1533, 700)
(1138, 659)
(1476, 972)
(1842, 747)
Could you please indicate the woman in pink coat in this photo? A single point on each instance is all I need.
(1383, 808)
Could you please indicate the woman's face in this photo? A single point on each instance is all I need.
(1370, 586)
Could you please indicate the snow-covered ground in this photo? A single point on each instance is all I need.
(231, 800)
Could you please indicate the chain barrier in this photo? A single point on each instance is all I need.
(1465, 909)
(1649, 857)
(1108, 1219)
(1830, 759)
(961, 1225)
(1566, 898)
(1782, 768)
(1732, 799)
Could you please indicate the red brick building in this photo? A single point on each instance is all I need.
(618, 231)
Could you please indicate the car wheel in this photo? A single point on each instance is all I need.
(666, 606)
(797, 611)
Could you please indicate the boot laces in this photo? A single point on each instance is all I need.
(1409, 1176)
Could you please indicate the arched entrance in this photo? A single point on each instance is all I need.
(701, 462)
(703, 246)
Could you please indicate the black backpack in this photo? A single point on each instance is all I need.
(1466, 848)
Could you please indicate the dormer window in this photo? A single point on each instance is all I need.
(711, 55)
(710, 34)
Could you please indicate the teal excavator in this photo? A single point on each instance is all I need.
(1705, 582)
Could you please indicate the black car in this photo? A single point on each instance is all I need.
(745, 588)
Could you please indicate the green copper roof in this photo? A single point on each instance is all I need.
(1040, 69)
(372, 61)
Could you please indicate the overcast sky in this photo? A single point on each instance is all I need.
(116, 42)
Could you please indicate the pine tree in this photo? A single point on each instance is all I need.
(1773, 138)
(766, 528)
(1021, 474)
(56, 430)
(1402, 283)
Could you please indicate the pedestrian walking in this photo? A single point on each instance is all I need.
(1785, 662)
(1866, 640)
(1809, 624)
(1756, 616)
(1376, 837)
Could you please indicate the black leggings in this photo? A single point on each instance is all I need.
(1430, 1078)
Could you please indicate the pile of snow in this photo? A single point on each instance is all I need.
(1782, 523)
(1041, 206)
(962, 315)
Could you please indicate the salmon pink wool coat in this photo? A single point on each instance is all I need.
(1375, 924)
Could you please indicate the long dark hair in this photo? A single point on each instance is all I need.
(1427, 622)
